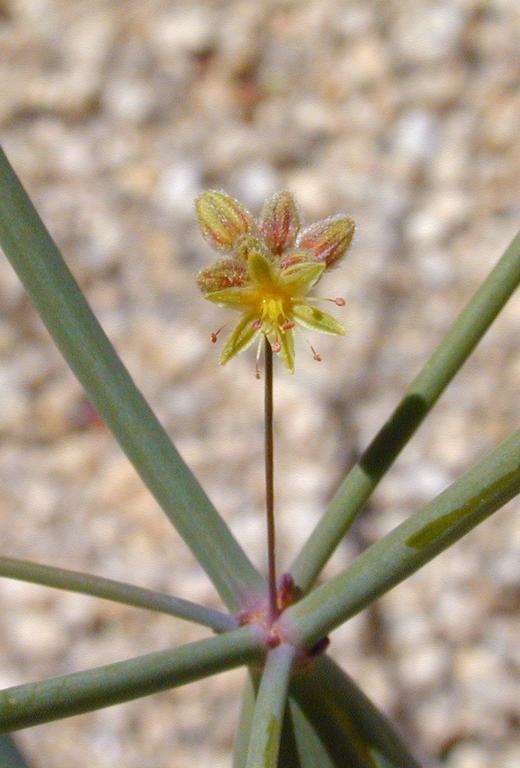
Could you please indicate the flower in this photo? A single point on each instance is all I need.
(268, 268)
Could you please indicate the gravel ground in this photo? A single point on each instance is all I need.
(404, 115)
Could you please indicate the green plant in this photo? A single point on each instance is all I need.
(299, 708)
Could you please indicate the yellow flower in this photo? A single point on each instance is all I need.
(269, 267)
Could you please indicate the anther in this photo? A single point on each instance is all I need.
(214, 335)
(287, 326)
(257, 324)
(276, 346)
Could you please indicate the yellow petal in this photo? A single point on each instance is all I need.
(300, 278)
(317, 320)
(286, 340)
(241, 338)
(234, 298)
(261, 271)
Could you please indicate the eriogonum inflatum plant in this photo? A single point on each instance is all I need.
(268, 268)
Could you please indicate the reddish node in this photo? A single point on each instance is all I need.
(288, 592)
(243, 617)
(274, 631)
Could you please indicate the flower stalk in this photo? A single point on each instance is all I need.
(269, 478)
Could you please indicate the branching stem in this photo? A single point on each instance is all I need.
(269, 478)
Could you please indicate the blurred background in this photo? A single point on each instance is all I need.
(404, 115)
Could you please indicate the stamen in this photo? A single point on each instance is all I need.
(257, 324)
(276, 346)
(214, 334)
(339, 301)
(287, 325)
(258, 353)
(315, 354)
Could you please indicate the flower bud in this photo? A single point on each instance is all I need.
(226, 273)
(329, 239)
(280, 222)
(222, 219)
(246, 246)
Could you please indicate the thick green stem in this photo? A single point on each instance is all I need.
(119, 592)
(243, 731)
(268, 716)
(335, 694)
(89, 353)
(420, 397)
(10, 755)
(467, 502)
(335, 730)
(35, 703)
(289, 755)
(311, 749)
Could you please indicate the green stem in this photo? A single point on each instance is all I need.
(458, 509)
(336, 694)
(420, 397)
(333, 728)
(119, 592)
(312, 751)
(41, 702)
(247, 709)
(269, 479)
(10, 755)
(89, 353)
(289, 754)
(266, 729)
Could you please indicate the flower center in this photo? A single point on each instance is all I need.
(273, 310)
